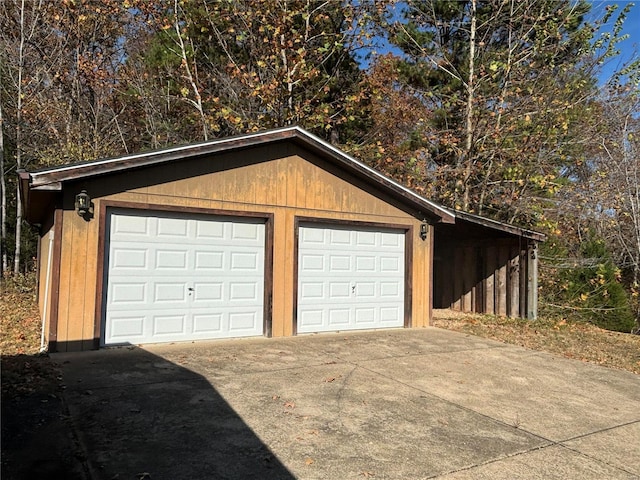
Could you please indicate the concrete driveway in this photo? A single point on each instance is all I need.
(393, 404)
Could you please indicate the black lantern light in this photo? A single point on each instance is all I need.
(424, 228)
(83, 203)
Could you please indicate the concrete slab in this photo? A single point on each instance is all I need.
(349, 421)
(551, 463)
(616, 446)
(390, 404)
(549, 396)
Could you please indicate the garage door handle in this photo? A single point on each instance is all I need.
(190, 289)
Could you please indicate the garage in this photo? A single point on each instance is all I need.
(178, 277)
(273, 233)
(350, 278)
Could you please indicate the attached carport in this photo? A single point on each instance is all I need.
(484, 266)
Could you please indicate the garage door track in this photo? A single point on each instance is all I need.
(389, 404)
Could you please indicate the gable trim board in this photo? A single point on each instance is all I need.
(286, 179)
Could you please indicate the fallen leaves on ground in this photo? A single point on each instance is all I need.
(20, 324)
(24, 369)
(577, 340)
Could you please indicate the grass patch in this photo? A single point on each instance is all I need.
(577, 340)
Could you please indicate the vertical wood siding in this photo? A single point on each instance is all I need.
(284, 185)
(483, 276)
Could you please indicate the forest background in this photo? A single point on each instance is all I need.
(525, 111)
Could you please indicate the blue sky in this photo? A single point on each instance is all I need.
(630, 48)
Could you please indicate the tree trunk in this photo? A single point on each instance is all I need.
(4, 265)
(16, 256)
(197, 103)
(469, 111)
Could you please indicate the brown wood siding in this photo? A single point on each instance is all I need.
(481, 276)
(55, 279)
(283, 185)
(44, 257)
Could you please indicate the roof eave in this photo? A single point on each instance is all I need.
(505, 227)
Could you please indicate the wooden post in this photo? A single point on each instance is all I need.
(489, 284)
(478, 299)
(469, 276)
(532, 281)
(458, 281)
(501, 280)
(524, 264)
(514, 281)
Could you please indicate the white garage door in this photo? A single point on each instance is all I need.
(173, 277)
(349, 279)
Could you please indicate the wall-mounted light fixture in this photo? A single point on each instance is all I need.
(83, 204)
(424, 230)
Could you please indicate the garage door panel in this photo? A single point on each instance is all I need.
(171, 259)
(365, 239)
(129, 258)
(391, 290)
(310, 236)
(209, 260)
(247, 232)
(365, 316)
(168, 325)
(390, 315)
(244, 261)
(390, 265)
(242, 292)
(170, 292)
(391, 240)
(339, 237)
(172, 227)
(366, 290)
(207, 323)
(129, 293)
(131, 225)
(208, 292)
(312, 290)
(339, 317)
(310, 261)
(339, 290)
(180, 277)
(340, 263)
(210, 230)
(240, 322)
(349, 278)
(125, 327)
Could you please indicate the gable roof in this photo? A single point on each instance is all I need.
(49, 181)
(52, 179)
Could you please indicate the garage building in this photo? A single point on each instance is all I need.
(274, 233)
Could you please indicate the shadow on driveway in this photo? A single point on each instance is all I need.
(142, 416)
